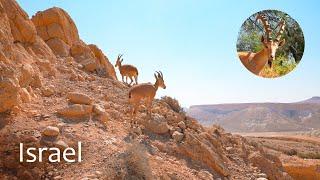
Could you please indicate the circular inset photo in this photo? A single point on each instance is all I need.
(270, 44)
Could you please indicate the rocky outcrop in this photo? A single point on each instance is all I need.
(270, 165)
(56, 23)
(20, 48)
(198, 147)
(103, 61)
(9, 85)
(59, 31)
(22, 28)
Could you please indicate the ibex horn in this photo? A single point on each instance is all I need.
(161, 74)
(281, 30)
(266, 25)
(158, 74)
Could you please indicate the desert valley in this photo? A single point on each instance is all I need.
(292, 130)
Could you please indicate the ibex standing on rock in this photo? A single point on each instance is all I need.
(146, 92)
(127, 70)
(255, 62)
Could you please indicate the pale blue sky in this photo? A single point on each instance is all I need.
(194, 43)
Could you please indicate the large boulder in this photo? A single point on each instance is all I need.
(199, 148)
(9, 96)
(79, 98)
(81, 51)
(9, 85)
(59, 47)
(76, 110)
(89, 65)
(56, 23)
(22, 28)
(177, 136)
(103, 61)
(26, 75)
(157, 124)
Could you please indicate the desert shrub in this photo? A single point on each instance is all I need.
(291, 152)
(173, 103)
(137, 162)
(310, 155)
(280, 66)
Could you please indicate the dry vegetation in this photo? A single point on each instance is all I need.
(299, 154)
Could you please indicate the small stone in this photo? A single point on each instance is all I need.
(48, 91)
(205, 175)
(25, 96)
(98, 173)
(80, 66)
(182, 125)
(61, 144)
(51, 131)
(261, 178)
(178, 129)
(137, 130)
(171, 130)
(57, 177)
(81, 78)
(177, 136)
(262, 175)
(98, 109)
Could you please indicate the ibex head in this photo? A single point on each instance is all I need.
(271, 45)
(119, 60)
(159, 79)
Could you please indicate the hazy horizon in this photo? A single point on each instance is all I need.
(194, 44)
(255, 102)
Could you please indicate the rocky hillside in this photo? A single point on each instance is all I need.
(56, 91)
(313, 100)
(260, 117)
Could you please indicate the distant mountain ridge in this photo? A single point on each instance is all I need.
(260, 117)
(314, 100)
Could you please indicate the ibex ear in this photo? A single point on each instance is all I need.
(262, 38)
(282, 42)
(121, 60)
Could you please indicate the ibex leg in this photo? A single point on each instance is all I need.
(136, 78)
(131, 80)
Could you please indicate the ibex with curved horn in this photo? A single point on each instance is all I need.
(127, 70)
(146, 92)
(255, 62)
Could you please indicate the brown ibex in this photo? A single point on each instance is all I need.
(146, 92)
(255, 62)
(127, 70)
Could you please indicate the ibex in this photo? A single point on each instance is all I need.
(146, 92)
(255, 62)
(127, 70)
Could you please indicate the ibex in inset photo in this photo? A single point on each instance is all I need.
(255, 62)
(127, 70)
(146, 92)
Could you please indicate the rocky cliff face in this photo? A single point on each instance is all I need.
(29, 50)
(54, 93)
